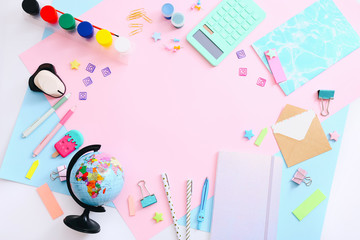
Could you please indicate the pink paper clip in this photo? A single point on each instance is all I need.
(61, 173)
(300, 176)
(275, 65)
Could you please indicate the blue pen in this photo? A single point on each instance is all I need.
(204, 196)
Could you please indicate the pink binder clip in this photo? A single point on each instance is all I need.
(275, 65)
(61, 173)
(300, 176)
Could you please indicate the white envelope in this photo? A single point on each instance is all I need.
(295, 127)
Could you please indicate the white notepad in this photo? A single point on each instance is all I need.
(247, 195)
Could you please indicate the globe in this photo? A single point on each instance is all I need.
(93, 178)
(96, 178)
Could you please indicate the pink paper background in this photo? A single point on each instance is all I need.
(172, 112)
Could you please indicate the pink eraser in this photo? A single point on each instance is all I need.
(275, 66)
(131, 205)
(72, 140)
(299, 176)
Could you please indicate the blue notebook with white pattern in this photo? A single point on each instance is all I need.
(309, 43)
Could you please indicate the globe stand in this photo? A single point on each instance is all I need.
(82, 223)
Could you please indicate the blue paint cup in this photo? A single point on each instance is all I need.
(178, 19)
(167, 10)
(85, 29)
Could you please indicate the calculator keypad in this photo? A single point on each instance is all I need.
(232, 20)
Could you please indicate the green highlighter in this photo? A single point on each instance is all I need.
(224, 28)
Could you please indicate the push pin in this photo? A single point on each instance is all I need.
(177, 47)
(176, 40)
(61, 173)
(197, 7)
(192, 6)
(300, 176)
(325, 95)
(146, 200)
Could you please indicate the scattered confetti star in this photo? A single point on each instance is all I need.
(271, 53)
(75, 64)
(156, 36)
(248, 134)
(334, 136)
(158, 217)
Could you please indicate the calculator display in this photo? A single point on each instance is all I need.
(207, 44)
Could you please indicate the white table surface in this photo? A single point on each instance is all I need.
(21, 220)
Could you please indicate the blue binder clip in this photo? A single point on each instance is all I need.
(147, 200)
(325, 95)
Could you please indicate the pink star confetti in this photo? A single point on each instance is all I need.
(334, 136)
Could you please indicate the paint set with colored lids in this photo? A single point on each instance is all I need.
(66, 21)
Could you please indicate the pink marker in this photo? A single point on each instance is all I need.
(275, 66)
(48, 137)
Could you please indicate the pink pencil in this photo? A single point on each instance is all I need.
(48, 137)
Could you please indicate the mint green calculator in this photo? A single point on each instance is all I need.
(224, 28)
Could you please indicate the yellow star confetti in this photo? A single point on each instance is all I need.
(75, 64)
(158, 217)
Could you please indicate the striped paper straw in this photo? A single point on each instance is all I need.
(188, 207)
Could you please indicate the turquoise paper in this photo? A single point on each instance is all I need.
(309, 43)
(321, 169)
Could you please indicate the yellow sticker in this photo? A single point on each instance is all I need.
(32, 169)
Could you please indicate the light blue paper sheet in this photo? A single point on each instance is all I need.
(309, 43)
(321, 169)
(206, 225)
(18, 157)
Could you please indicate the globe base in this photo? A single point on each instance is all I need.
(82, 223)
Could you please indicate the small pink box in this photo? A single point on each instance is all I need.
(261, 82)
(242, 71)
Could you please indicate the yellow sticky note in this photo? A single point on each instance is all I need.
(32, 169)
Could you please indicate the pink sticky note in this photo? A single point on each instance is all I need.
(49, 201)
(275, 66)
(131, 205)
(299, 176)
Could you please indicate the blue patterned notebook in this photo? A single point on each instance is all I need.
(309, 43)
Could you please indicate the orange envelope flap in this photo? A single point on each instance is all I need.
(314, 143)
(289, 111)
